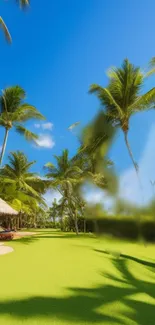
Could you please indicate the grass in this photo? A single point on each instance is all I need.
(59, 279)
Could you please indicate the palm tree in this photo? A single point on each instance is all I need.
(21, 188)
(14, 112)
(23, 4)
(122, 98)
(64, 176)
(17, 177)
(53, 211)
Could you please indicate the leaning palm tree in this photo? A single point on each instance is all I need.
(14, 112)
(122, 98)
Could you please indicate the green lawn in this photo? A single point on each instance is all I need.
(60, 279)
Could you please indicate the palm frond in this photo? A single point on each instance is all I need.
(151, 70)
(23, 3)
(106, 97)
(30, 136)
(11, 99)
(25, 112)
(145, 101)
(5, 30)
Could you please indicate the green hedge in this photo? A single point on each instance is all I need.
(124, 227)
(117, 226)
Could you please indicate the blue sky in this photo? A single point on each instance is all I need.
(59, 48)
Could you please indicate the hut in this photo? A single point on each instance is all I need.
(6, 214)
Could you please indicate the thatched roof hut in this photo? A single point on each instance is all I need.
(6, 210)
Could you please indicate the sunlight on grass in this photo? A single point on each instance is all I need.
(63, 279)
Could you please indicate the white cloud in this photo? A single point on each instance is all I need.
(44, 126)
(94, 195)
(0, 148)
(50, 196)
(45, 141)
(47, 126)
(129, 186)
(37, 125)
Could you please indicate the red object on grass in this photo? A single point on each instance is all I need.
(6, 236)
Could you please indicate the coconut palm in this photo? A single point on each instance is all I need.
(14, 112)
(16, 175)
(64, 176)
(23, 4)
(122, 98)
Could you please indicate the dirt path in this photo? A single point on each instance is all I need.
(5, 249)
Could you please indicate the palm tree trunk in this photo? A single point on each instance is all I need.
(130, 151)
(84, 225)
(4, 146)
(137, 172)
(76, 223)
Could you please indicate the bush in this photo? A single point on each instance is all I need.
(6, 236)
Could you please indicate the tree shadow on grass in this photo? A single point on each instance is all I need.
(129, 257)
(51, 235)
(82, 304)
(26, 240)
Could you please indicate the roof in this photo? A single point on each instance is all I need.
(6, 209)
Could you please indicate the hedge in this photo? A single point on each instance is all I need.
(126, 228)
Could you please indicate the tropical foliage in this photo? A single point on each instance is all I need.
(14, 112)
(123, 97)
(20, 187)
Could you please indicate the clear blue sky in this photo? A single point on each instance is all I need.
(59, 48)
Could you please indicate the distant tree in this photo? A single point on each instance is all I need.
(63, 177)
(53, 211)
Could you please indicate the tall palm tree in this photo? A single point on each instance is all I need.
(17, 174)
(122, 98)
(14, 112)
(64, 176)
(23, 4)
